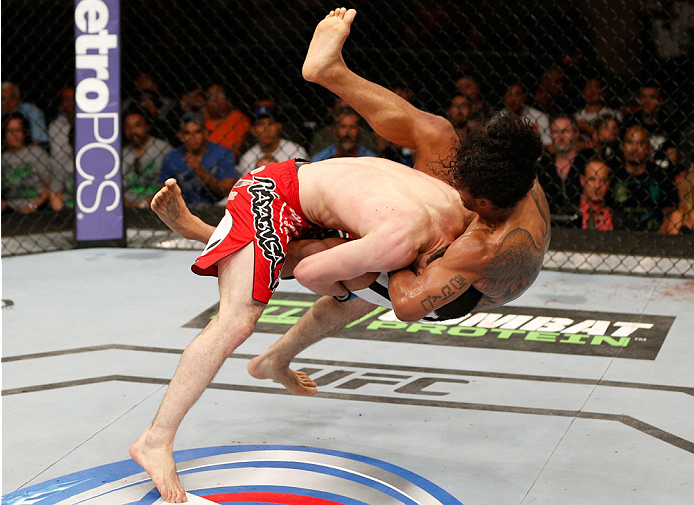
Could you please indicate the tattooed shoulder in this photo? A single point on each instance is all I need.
(513, 267)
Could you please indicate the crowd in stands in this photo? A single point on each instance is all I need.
(604, 167)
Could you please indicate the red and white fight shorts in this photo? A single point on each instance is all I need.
(263, 207)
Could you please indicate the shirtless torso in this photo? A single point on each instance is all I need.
(513, 252)
(426, 221)
(396, 215)
(367, 195)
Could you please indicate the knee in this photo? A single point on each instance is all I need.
(234, 324)
(232, 331)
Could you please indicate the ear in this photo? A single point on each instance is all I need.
(483, 202)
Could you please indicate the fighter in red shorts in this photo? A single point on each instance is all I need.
(399, 217)
(263, 208)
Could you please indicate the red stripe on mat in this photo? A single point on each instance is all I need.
(279, 498)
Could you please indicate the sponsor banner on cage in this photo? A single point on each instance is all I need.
(623, 335)
(98, 200)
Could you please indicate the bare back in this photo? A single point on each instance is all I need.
(516, 251)
(366, 195)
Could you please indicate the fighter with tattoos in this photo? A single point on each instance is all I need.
(494, 261)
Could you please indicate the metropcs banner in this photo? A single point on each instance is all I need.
(98, 201)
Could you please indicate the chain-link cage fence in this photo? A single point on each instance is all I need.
(607, 84)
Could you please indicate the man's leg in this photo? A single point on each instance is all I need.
(200, 362)
(326, 317)
(169, 205)
(389, 115)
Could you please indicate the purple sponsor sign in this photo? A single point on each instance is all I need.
(98, 201)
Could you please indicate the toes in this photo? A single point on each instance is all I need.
(350, 15)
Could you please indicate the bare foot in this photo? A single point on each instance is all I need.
(173, 211)
(325, 50)
(169, 205)
(297, 383)
(158, 462)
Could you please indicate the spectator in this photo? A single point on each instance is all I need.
(325, 135)
(142, 159)
(515, 99)
(661, 129)
(26, 170)
(204, 170)
(265, 160)
(226, 125)
(61, 132)
(12, 102)
(290, 130)
(594, 95)
(549, 95)
(606, 141)
(192, 99)
(468, 86)
(347, 129)
(159, 109)
(459, 112)
(681, 220)
(595, 182)
(641, 193)
(560, 171)
(267, 126)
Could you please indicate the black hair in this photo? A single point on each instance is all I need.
(6, 118)
(597, 159)
(496, 160)
(601, 120)
(456, 95)
(136, 109)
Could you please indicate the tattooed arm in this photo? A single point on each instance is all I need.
(445, 279)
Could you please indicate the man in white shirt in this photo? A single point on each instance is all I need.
(595, 109)
(514, 99)
(267, 125)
